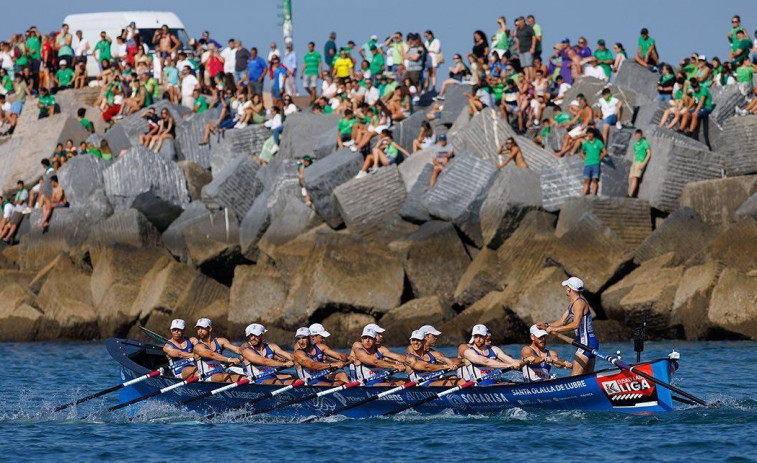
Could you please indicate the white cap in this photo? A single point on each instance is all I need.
(574, 283)
(417, 334)
(702, 58)
(538, 332)
(178, 324)
(255, 328)
(375, 327)
(318, 329)
(368, 331)
(428, 329)
(574, 103)
(374, 37)
(204, 323)
(302, 333)
(63, 62)
(479, 330)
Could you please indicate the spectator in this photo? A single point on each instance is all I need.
(480, 48)
(609, 112)
(303, 164)
(537, 35)
(703, 107)
(456, 74)
(166, 129)
(49, 204)
(80, 76)
(434, 49)
(46, 104)
(102, 51)
(386, 152)
(501, 40)
(276, 124)
(188, 84)
(153, 124)
(344, 129)
(444, 152)
(646, 54)
(288, 106)
(514, 154)
(579, 123)
(70, 149)
(82, 49)
(425, 137)
(229, 55)
(171, 80)
(273, 50)
(666, 83)
(593, 151)
(329, 52)
(743, 45)
(289, 61)
(343, 66)
(311, 69)
(703, 73)
(256, 71)
(105, 152)
(620, 56)
(377, 64)
(642, 155)
(681, 103)
(525, 42)
(278, 77)
(63, 45)
(395, 51)
(33, 49)
(59, 156)
(733, 34)
(166, 44)
(604, 58)
(201, 102)
(241, 58)
(214, 64)
(64, 77)
(11, 221)
(224, 118)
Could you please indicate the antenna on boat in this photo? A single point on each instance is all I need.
(640, 335)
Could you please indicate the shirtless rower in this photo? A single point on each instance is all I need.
(484, 360)
(371, 360)
(179, 350)
(422, 361)
(263, 358)
(538, 359)
(318, 335)
(309, 360)
(576, 318)
(209, 351)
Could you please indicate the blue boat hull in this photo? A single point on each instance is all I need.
(605, 390)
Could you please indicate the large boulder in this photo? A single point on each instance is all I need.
(172, 237)
(254, 225)
(683, 233)
(492, 310)
(735, 247)
(82, 180)
(455, 101)
(19, 313)
(635, 77)
(717, 201)
(459, 192)
(513, 194)
(480, 278)
(748, 208)
(434, 259)
(125, 135)
(524, 254)
(257, 296)
(67, 231)
(367, 203)
(412, 168)
(125, 227)
(740, 145)
(197, 177)
(732, 307)
(345, 327)
(288, 220)
(725, 100)
(235, 187)
(402, 320)
(343, 273)
(629, 218)
(543, 298)
(322, 178)
(591, 251)
(414, 210)
(562, 179)
(308, 134)
(692, 300)
(248, 141)
(189, 134)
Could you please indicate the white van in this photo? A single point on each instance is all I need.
(91, 24)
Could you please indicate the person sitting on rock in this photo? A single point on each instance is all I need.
(703, 107)
(444, 153)
(344, 129)
(46, 104)
(49, 204)
(580, 122)
(225, 116)
(166, 129)
(425, 138)
(17, 213)
(647, 51)
(386, 152)
(514, 154)
(152, 126)
(303, 164)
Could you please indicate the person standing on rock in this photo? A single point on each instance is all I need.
(318, 335)
(180, 351)
(209, 350)
(641, 155)
(593, 151)
(576, 318)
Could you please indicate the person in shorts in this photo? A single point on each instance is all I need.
(593, 151)
(642, 153)
(311, 70)
(525, 40)
(608, 113)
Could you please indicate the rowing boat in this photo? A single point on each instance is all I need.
(604, 390)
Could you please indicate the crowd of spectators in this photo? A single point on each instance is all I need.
(371, 87)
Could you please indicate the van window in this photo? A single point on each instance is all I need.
(147, 35)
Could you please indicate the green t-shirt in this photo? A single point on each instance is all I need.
(103, 47)
(640, 150)
(592, 151)
(48, 100)
(502, 40)
(645, 45)
(328, 109)
(345, 125)
(690, 71)
(87, 124)
(391, 151)
(7, 83)
(545, 131)
(312, 60)
(537, 33)
(64, 76)
(703, 93)
(734, 39)
(33, 47)
(745, 46)
(497, 91)
(562, 118)
(390, 87)
(22, 60)
(377, 64)
(745, 74)
(604, 55)
(201, 104)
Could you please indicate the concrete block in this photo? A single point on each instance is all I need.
(740, 145)
(235, 187)
(172, 237)
(189, 134)
(716, 201)
(307, 134)
(322, 178)
(629, 218)
(413, 210)
(367, 203)
(125, 227)
(683, 233)
(562, 179)
(637, 78)
(248, 141)
(455, 101)
(197, 177)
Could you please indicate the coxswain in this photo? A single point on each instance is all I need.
(371, 361)
(179, 350)
(577, 318)
(318, 335)
(538, 359)
(422, 361)
(309, 361)
(263, 358)
(485, 359)
(209, 351)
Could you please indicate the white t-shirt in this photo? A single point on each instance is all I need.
(608, 107)
(181, 64)
(120, 50)
(81, 47)
(274, 122)
(372, 96)
(229, 56)
(328, 90)
(595, 71)
(291, 109)
(360, 92)
(6, 60)
(272, 53)
(564, 87)
(188, 84)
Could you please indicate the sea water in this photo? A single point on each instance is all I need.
(37, 377)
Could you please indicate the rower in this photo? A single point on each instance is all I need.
(318, 335)
(371, 360)
(310, 360)
(538, 359)
(261, 357)
(578, 318)
(422, 361)
(485, 359)
(179, 350)
(209, 351)
(430, 338)
(465, 346)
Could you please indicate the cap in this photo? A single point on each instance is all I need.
(702, 58)
(132, 23)
(63, 62)
(574, 103)
(368, 331)
(374, 37)
(565, 40)
(479, 330)
(428, 329)
(255, 328)
(601, 42)
(375, 327)
(443, 136)
(538, 332)
(417, 334)
(318, 329)
(178, 324)
(574, 283)
(302, 333)
(204, 323)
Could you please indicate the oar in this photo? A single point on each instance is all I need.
(316, 395)
(219, 390)
(428, 379)
(624, 366)
(151, 374)
(189, 380)
(439, 395)
(267, 395)
(153, 335)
